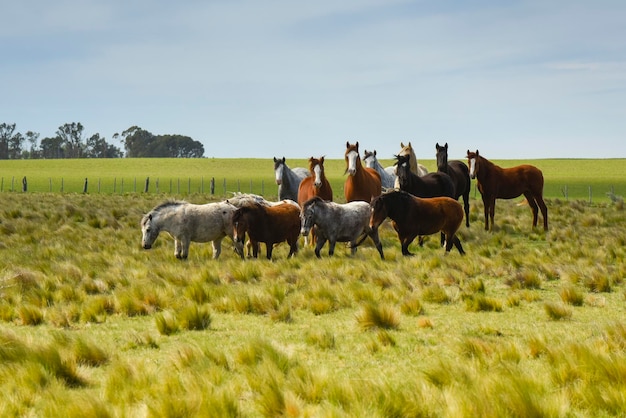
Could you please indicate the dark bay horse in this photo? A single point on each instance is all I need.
(459, 173)
(429, 185)
(316, 184)
(288, 179)
(495, 182)
(336, 222)
(363, 183)
(414, 216)
(268, 224)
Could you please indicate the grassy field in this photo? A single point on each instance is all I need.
(188, 176)
(526, 324)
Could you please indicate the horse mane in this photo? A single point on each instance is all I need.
(311, 201)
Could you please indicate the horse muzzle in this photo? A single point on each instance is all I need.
(279, 181)
(146, 246)
(351, 171)
(304, 232)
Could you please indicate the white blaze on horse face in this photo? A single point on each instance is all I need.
(369, 161)
(317, 170)
(279, 174)
(352, 155)
(472, 170)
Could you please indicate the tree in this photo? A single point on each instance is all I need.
(137, 142)
(52, 147)
(32, 137)
(141, 143)
(10, 142)
(71, 135)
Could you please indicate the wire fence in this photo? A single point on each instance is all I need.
(597, 192)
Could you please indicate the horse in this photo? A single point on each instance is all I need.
(335, 222)
(270, 225)
(316, 184)
(414, 216)
(387, 175)
(288, 179)
(362, 183)
(187, 222)
(495, 182)
(249, 199)
(430, 185)
(459, 173)
(416, 168)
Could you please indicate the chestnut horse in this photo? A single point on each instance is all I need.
(412, 216)
(495, 182)
(316, 184)
(459, 173)
(268, 224)
(362, 183)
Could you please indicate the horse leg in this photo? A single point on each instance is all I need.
(178, 248)
(217, 248)
(293, 247)
(466, 207)
(533, 206)
(379, 246)
(486, 206)
(185, 248)
(457, 244)
(268, 250)
(319, 244)
(405, 246)
(492, 211)
(544, 211)
(331, 247)
(255, 249)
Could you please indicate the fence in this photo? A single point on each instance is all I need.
(134, 185)
(597, 192)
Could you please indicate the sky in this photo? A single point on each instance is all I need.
(257, 79)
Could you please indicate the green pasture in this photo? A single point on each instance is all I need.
(564, 178)
(527, 324)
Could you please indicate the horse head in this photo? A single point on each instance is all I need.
(240, 224)
(279, 165)
(472, 161)
(442, 157)
(316, 167)
(352, 158)
(149, 232)
(307, 215)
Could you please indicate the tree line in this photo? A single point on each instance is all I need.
(70, 141)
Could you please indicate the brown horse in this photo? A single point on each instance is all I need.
(316, 184)
(459, 173)
(362, 183)
(414, 216)
(495, 182)
(271, 225)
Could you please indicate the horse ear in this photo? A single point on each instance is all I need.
(446, 146)
(283, 160)
(150, 216)
(347, 144)
(357, 145)
(477, 153)
(401, 144)
(275, 160)
(374, 153)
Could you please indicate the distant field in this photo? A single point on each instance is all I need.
(186, 176)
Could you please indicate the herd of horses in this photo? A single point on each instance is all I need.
(417, 202)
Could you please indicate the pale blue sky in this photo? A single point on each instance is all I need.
(514, 79)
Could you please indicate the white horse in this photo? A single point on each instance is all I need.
(336, 222)
(187, 222)
(387, 175)
(288, 179)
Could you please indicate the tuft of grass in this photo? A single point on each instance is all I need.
(374, 316)
(598, 282)
(425, 323)
(525, 279)
(386, 338)
(89, 353)
(570, 295)
(194, 318)
(411, 305)
(30, 315)
(166, 323)
(557, 311)
(323, 339)
(478, 303)
(435, 293)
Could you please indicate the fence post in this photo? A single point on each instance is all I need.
(2, 185)
(122, 186)
(62, 184)
(99, 184)
(224, 186)
(49, 182)
(24, 184)
(114, 184)
(157, 185)
(188, 185)
(85, 186)
(145, 189)
(589, 194)
(202, 185)
(135, 185)
(250, 185)
(239, 185)
(212, 186)
(12, 183)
